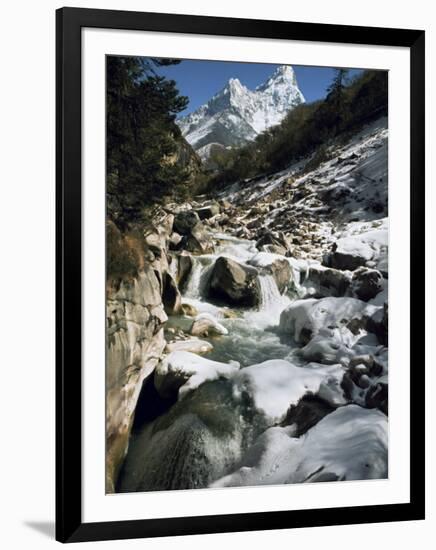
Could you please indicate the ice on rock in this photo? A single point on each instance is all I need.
(347, 444)
(329, 347)
(362, 244)
(303, 319)
(276, 385)
(264, 259)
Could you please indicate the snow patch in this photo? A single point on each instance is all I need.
(276, 385)
(348, 444)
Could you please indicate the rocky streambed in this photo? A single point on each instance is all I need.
(246, 354)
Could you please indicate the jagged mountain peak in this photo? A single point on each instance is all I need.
(235, 84)
(283, 73)
(236, 114)
(234, 88)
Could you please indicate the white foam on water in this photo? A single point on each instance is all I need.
(200, 266)
(272, 303)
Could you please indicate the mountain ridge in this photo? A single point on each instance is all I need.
(236, 114)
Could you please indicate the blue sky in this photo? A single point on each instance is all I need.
(200, 80)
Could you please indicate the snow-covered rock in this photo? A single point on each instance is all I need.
(304, 319)
(183, 371)
(329, 347)
(323, 282)
(206, 324)
(236, 114)
(276, 385)
(366, 283)
(361, 245)
(347, 444)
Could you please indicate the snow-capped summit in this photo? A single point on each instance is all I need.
(284, 73)
(237, 114)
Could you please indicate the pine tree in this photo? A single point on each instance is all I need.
(335, 107)
(141, 136)
(335, 92)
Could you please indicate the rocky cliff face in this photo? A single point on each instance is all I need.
(135, 340)
(185, 157)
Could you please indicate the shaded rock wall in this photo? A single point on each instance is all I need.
(135, 341)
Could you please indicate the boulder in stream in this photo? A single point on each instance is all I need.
(322, 282)
(234, 283)
(182, 372)
(205, 325)
(304, 319)
(282, 273)
(189, 310)
(193, 345)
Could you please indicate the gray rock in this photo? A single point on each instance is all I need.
(199, 241)
(343, 259)
(377, 397)
(378, 324)
(227, 205)
(184, 268)
(208, 211)
(204, 325)
(193, 345)
(274, 249)
(366, 283)
(327, 282)
(234, 283)
(282, 273)
(273, 238)
(185, 221)
(306, 413)
(189, 310)
(171, 296)
(175, 241)
(135, 318)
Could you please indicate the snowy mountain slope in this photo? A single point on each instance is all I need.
(344, 191)
(236, 114)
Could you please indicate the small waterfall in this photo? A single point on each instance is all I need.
(269, 293)
(201, 266)
(192, 288)
(272, 303)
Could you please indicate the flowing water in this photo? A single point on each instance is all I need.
(203, 436)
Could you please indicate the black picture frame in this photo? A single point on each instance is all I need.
(69, 23)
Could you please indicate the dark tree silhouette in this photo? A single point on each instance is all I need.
(141, 136)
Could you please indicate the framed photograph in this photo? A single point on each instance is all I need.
(240, 244)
